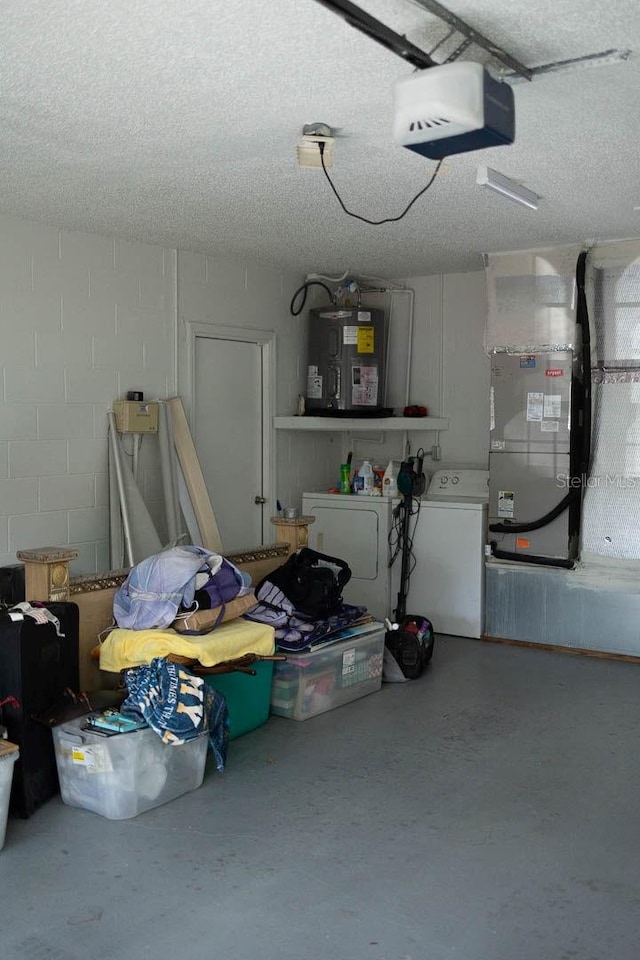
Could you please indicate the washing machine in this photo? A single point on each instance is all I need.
(355, 528)
(447, 581)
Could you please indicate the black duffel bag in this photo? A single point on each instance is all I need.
(313, 589)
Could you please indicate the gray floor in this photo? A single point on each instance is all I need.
(488, 811)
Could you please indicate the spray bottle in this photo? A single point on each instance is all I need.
(389, 484)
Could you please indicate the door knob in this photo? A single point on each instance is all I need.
(258, 500)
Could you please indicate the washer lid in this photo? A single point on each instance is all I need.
(461, 486)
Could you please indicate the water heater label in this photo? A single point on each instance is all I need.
(366, 340)
(364, 316)
(364, 386)
(314, 384)
(550, 426)
(350, 335)
(535, 403)
(505, 503)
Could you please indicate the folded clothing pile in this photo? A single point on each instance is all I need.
(182, 604)
(177, 583)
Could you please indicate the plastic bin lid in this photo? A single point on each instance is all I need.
(8, 751)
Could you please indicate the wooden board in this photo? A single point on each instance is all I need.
(192, 472)
(557, 648)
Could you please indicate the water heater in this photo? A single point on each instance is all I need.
(346, 362)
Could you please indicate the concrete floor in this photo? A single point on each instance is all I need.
(488, 811)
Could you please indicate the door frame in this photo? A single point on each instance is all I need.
(266, 340)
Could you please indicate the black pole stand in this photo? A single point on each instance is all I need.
(401, 608)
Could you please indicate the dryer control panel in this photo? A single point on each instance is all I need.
(459, 485)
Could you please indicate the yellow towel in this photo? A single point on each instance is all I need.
(133, 648)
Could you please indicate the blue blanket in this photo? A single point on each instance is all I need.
(177, 705)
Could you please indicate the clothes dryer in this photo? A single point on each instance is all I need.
(355, 528)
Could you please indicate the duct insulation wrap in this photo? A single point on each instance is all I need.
(611, 509)
(346, 362)
(532, 300)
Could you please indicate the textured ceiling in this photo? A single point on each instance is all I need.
(176, 121)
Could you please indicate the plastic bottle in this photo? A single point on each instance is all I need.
(389, 483)
(366, 473)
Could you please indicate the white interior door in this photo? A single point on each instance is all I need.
(228, 418)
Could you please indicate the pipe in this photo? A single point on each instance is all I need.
(531, 558)
(136, 456)
(168, 482)
(566, 501)
(124, 510)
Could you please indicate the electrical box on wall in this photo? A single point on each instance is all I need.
(134, 416)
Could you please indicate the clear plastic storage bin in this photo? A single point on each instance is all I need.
(126, 774)
(313, 682)
(9, 753)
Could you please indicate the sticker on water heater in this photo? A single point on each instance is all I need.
(553, 406)
(527, 361)
(366, 340)
(314, 387)
(505, 503)
(550, 426)
(364, 386)
(350, 335)
(535, 402)
(364, 316)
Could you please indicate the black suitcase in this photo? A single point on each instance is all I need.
(36, 665)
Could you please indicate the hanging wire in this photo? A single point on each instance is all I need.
(377, 223)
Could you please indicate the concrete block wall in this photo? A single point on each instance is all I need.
(234, 292)
(83, 319)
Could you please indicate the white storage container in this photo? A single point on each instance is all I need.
(9, 753)
(126, 774)
(310, 683)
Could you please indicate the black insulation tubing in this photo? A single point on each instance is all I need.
(582, 317)
(531, 558)
(303, 289)
(541, 522)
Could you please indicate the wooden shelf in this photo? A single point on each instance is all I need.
(360, 424)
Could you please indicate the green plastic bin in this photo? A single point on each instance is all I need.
(247, 697)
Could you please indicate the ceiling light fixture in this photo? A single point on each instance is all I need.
(507, 188)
